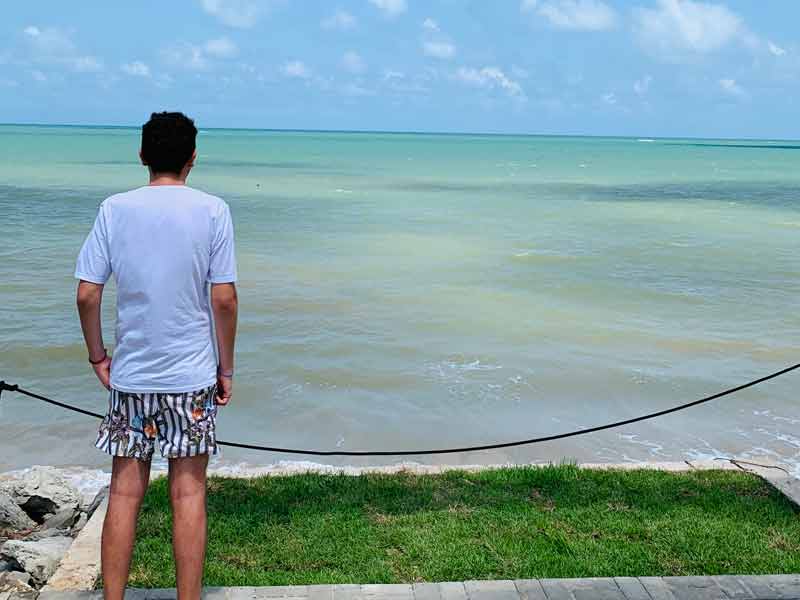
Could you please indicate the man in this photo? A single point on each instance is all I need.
(164, 243)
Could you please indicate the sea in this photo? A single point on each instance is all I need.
(413, 291)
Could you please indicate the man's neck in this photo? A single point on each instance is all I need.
(167, 179)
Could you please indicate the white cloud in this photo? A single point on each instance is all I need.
(221, 48)
(163, 80)
(439, 49)
(436, 44)
(185, 56)
(38, 76)
(53, 46)
(489, 78)
(775, 50)
(610, 98)
(136, 69)
(729, 86)
(234, 13)
(352, 62)
(86, 64)
(677, 27)
(430, 25)
(353, 89)
(390, 8)
(341, 20)
(296, 69)
(576, 15)
(198, 57)
(642, 86)
(519, 72)
(390, 74)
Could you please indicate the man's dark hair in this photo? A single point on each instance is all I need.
(168, 141)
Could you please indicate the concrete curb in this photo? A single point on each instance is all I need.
(247, 472)
(80, 567)
(745, 587)
(777, 477)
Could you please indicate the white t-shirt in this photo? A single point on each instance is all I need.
(164, 245)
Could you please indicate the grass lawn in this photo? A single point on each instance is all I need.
(511, 523)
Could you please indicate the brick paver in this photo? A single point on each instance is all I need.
(728, 587)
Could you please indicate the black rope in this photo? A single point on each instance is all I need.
(548, 438)
(15, 388)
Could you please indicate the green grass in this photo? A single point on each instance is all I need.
(510, 523)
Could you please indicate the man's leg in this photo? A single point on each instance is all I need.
(187, 492)
(129, 478)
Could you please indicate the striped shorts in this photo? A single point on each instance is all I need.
(181, 424)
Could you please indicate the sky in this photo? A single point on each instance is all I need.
(675, 68)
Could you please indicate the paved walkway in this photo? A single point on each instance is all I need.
(756, 587)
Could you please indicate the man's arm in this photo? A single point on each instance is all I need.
(225, 305)
(90, 296)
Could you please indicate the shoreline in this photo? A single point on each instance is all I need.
(89, 480)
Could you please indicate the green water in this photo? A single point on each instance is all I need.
(407, 290)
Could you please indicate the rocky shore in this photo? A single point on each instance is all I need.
(42, 510)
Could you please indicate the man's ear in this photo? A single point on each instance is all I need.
(141, 157)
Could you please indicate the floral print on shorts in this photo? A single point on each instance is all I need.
(181, 424)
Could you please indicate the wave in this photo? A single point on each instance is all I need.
(544, 255)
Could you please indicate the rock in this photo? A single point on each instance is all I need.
(13, 585)
(6, 565)
(63, 519)
(97, 500)
(39, 558)
(80, 523)
(12, 516)
(41, 491)
(46, 533)
(10, 576)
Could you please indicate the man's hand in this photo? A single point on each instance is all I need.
(103, 371)
(224, 389)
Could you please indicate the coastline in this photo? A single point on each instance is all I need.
(90, 481)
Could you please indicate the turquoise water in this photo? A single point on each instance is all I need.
(410, 290)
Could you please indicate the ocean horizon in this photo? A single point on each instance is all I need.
(405, 290)
(642, 137)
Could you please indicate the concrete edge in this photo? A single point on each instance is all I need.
(244, 471)
(743, 587)
(79, 570)
(775, 475)
(247, 472)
